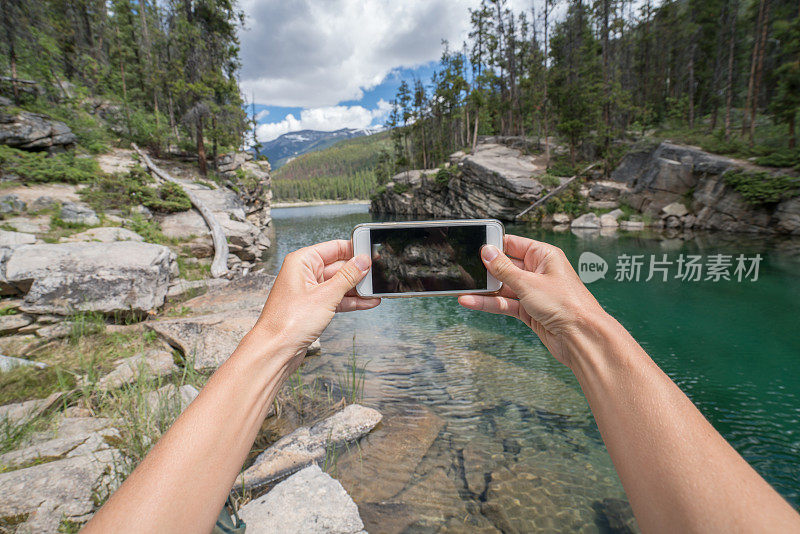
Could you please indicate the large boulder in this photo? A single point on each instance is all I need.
(26, 130)
(307, 445)
(494, 181)
(124, 276)
(308, 502)
(104, 234)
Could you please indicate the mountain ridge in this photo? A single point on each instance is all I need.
(288, 146)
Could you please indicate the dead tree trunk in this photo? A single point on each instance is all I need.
(219, 267)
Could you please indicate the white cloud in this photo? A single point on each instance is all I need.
(318, 53)
(262, 114)
(327, 118)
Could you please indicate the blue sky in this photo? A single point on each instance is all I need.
(331, 64)
(370, 99)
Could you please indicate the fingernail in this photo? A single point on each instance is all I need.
(362, 262)
(489, 252)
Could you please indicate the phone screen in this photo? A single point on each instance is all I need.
(427, 258)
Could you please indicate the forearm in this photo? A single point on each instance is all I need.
(183, 482)
(680, 475)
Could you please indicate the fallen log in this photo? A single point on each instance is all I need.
(219, 267)
(554, 192)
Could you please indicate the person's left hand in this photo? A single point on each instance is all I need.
(313, 284)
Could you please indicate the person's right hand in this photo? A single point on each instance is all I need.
(540, 288)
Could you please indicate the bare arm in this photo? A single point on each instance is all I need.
(183, 482)
(679, 473)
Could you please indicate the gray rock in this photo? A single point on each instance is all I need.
(587, 220)
(144, 211)
(124, 276)
(19, 412)
(496, 181)
(55, 331)
(10, 362)
(208, 340)
(675, 209)
(308, 444)
(74, 213)
(11, 204)
(561, 218)
(104, 234)
(315, 347)
(62, 489)
(13, 239)
(73, 437)
(11, 323)
(26, 130)
(308, 502)
(607, 220)
(153, 363)
(42, 203)
(181, 287)
(30, 225)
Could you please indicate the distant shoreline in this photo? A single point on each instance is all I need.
(315, 203)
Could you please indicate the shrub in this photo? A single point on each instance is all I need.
(561, 168)
(781, 158)
(400, 188)
(136, 187)
(444, 175)
(762, 187)
(568, 201)
(40, 167)
(548, 180)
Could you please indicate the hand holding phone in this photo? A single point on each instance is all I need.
(426, 258)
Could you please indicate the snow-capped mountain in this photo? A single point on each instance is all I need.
(292, 144)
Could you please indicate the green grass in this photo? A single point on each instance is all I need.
(351, 380)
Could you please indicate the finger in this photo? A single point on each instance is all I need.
(502, 268)
(331, 269)
(490, 304)
(356, 303)
(516, 246)
(346, 278)
(332, 251)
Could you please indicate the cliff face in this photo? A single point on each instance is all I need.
(499, 181)
(668, 173)
(496, 181)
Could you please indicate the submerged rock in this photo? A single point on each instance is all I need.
(309, 444)
(124, 276)
(308, 502)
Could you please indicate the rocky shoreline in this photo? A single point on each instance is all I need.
(662, 186)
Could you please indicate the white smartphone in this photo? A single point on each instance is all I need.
(427, 258)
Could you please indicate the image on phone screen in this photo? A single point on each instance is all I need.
(433, 258)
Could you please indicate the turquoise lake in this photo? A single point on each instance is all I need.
(507, 433)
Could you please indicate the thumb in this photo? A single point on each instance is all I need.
(502, 268)
(349, 275)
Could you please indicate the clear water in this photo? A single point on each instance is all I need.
(484, 428)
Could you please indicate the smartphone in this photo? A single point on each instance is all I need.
(427, 258)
